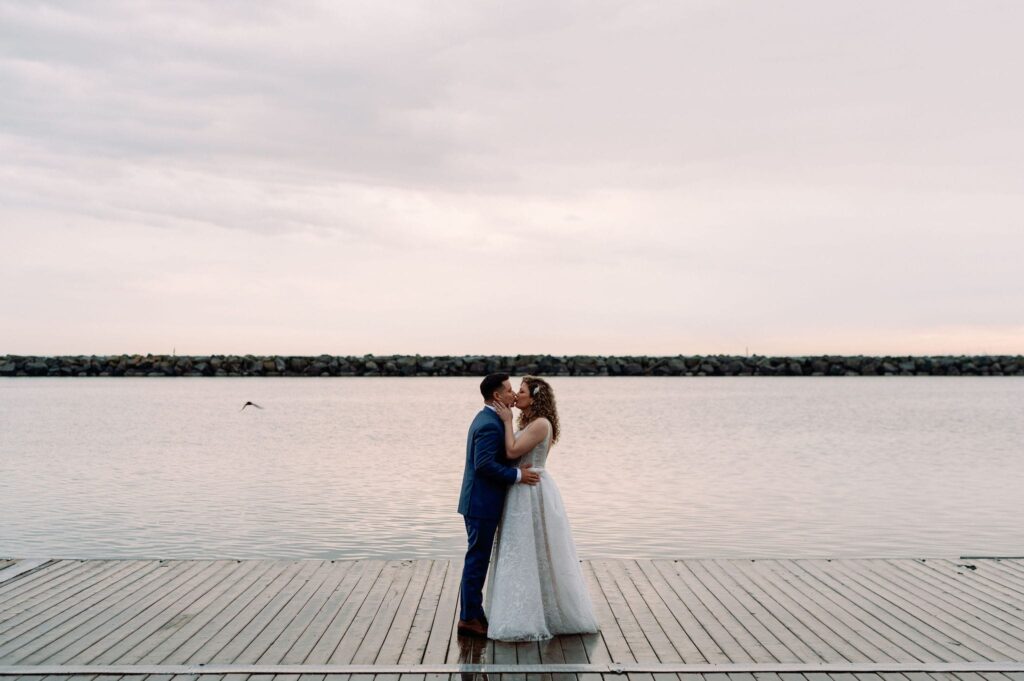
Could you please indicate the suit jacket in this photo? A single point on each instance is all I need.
(488, 474)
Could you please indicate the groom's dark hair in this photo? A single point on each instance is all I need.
(490, 384)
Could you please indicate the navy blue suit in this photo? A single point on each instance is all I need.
(485, 483)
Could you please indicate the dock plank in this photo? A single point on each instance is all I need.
(148, 615)
(719, 631)
(453, 640)
(751, 616)
(972, 587)
(247, 644)
(402, 627)
(837, 612)
(383, 622)
(811, 619)
(705, 648)
(288, 623)
(404, 613)
(333, 619)
(45, 604)
(948, 600)
(646, 621)
(638, 648)
(770, 607)
(922, 615)
(608, 645)
(422, 622)
(373, 604)
(899, 641)
(992, 573)
(196, 622)
(685, 648)
(222, 645)
(445, 620)
(65, 620)
(45, 578)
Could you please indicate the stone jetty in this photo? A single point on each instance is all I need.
(547, 365)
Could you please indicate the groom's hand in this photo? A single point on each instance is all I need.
(529, 477)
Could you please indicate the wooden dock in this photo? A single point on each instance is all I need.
(661, 620)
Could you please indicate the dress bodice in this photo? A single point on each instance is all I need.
(537, 456)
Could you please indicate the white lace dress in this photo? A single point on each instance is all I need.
(535, 588)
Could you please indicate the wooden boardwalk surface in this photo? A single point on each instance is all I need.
(770, 616)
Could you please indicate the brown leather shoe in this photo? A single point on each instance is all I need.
(472, 628)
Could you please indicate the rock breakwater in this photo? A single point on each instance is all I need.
(479, 365)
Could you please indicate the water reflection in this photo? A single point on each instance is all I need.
(574, 649)
(473, 651)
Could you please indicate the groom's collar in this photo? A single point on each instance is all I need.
(491, 407)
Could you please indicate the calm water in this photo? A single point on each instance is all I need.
(648, 467)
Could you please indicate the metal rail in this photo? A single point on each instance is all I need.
(634, 667)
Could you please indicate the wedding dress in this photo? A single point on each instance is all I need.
(535, 588)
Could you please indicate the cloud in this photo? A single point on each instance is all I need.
(623, 176)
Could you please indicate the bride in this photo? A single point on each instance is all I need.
(536, 588)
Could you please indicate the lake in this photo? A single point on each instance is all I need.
(648, 467)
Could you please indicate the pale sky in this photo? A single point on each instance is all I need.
(518, 177)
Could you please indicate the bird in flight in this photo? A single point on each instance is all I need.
(250, 404)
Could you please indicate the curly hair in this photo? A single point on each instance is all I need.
(543, 405)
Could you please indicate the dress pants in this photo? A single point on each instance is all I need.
(480, 532)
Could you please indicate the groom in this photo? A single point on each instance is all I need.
(484, 484)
